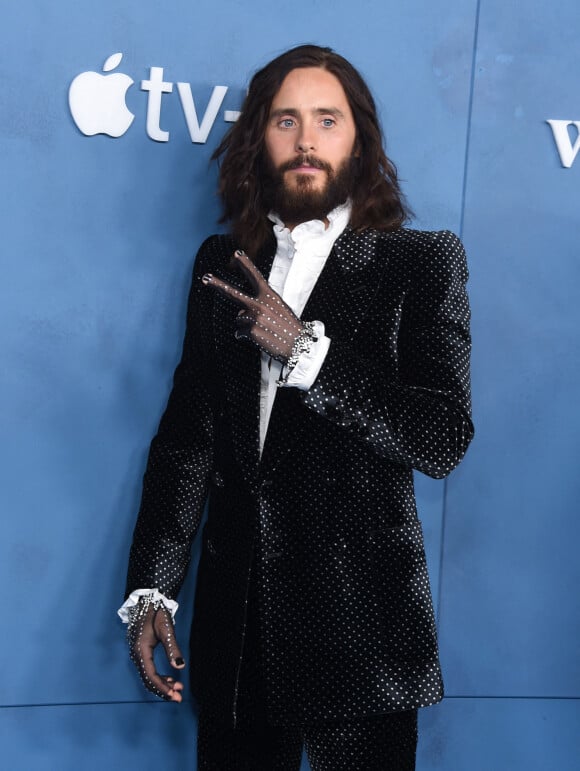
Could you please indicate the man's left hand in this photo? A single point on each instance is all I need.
(265, 319)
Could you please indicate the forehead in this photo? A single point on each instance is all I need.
(310, 88)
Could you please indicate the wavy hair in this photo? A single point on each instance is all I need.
(377, 200)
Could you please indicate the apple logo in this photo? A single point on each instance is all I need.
(97, 102)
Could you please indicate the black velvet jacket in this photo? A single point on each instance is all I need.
(327, 516)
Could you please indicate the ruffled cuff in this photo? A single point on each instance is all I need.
(308, 365)
(155, 595)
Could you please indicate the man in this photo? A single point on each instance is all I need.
(302, 404)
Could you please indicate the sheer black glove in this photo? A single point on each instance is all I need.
(150, 623)
(265, 319)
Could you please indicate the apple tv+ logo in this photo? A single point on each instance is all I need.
(97, 104)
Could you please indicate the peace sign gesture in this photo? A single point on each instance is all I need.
(265, 319)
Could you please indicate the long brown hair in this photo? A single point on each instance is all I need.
(377, 200)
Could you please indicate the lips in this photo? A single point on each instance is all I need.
(307, 169)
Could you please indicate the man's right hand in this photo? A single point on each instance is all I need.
(149, 626)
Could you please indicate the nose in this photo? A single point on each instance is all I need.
(304, 146)
(305, 141)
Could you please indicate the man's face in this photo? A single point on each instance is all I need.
(309, 142)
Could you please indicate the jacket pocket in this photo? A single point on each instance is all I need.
(403, 592)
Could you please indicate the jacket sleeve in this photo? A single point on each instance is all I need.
(180, 459)
(420, 417)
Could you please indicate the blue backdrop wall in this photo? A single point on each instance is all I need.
(98, 238)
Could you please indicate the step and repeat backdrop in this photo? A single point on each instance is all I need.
(109, 113)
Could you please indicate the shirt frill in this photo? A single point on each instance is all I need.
(308, 366)
(155, 595)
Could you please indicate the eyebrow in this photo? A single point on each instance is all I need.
(278, 113)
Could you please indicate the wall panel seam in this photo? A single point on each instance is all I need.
(461, 227)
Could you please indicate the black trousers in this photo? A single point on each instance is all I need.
(378, 743)
(373, 743)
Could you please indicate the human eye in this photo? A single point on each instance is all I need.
(286, 123)
(328, 122)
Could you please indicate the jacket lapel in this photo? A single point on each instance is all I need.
(341, 298)
(347, 284)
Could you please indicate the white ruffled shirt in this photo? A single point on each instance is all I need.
(301, 254)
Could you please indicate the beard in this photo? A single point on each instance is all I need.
(302, 201)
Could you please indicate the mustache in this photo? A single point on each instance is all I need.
(305, 160)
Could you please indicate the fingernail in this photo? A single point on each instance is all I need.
(206, 278)
(239, 252)
(179, 661)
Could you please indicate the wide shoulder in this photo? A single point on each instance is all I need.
(405, 243)
(410, 241)
(432, 252)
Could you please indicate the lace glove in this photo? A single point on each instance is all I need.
(150, 623)
(265, 319)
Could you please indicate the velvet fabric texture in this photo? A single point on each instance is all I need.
(325, 520)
